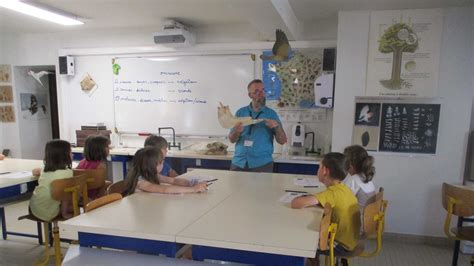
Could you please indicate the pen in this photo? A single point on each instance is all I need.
(311, 186)
(296, 191)
(4, 173)
(212, 180)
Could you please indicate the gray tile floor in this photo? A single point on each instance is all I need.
(25, 251)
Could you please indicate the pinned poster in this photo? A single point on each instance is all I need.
(404, 48)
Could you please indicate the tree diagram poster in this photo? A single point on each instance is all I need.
(404, 52)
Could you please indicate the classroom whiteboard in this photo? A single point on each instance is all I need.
(182, 92)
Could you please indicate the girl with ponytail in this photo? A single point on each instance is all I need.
(361, 171)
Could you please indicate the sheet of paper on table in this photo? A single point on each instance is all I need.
(289, 196)
(306, 182)
(14, 175)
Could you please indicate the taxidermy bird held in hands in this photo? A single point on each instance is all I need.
(280, 49)
(39, 75)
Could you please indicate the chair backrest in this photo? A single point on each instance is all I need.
(69, 189)
(371, 211)
(462, 197)
(102, 201)
(117, 187)
(324, 233)
(95, 177)
(95, 180)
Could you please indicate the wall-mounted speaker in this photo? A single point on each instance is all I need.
(66, 65)
(324, 90)
(329, 59)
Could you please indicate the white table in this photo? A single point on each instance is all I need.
(17, 165)
(12, 187)
(239, 214)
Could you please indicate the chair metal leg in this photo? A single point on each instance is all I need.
(344, 262)
(4, 225)
(457, 243)
(40, 233)
(50, 234)
(57, 244)
(46, 246)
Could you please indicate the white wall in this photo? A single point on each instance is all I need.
(412, 183)
(9, 132)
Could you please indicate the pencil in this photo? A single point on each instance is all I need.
(296, 191)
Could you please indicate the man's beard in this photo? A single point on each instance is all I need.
(262, 101)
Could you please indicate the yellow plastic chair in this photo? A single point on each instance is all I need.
(67, 189)
(104, 200)
(327, 234)
(458, 201)
(373, 228)
(374, 223)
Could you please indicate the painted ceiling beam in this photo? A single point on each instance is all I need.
(294, 26)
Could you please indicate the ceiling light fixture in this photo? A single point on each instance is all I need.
(40, 13)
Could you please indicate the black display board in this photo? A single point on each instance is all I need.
(410, 128)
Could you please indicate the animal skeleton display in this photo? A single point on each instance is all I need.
(216, 148)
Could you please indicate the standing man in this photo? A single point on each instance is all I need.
(254, 143)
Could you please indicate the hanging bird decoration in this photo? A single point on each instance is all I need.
(39, 75)
(281, 48)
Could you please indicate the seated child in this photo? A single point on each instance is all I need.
(143, 176)
(161, 143)
(359, 165)
(57, 165)
(96, 150)
(345, 211)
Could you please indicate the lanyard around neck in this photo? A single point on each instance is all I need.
(256, 117)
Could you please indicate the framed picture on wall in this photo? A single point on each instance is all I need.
(34, 106)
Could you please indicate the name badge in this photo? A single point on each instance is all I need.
(248, 143)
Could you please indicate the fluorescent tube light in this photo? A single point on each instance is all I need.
(39, 12)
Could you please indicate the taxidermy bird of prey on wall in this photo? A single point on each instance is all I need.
(281, 48)
(39, 75)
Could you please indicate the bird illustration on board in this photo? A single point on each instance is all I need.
(281, 49)
(365, 114)
(39, 75)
